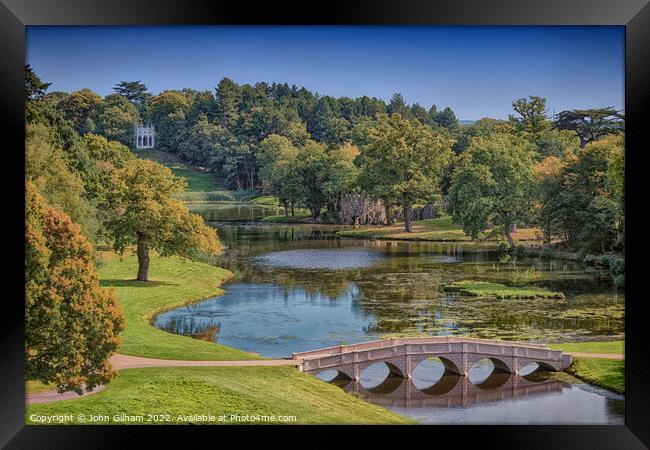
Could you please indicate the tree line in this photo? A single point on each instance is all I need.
(324, 153)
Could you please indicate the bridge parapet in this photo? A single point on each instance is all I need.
(457, 354)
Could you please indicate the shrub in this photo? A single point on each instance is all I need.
(503, 248)
(590, 259)
(545, 253)
(582, 254)
(617, 266)
(619, 281)
(605, 260)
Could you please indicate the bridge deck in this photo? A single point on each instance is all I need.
(391, 342)
(458, 354)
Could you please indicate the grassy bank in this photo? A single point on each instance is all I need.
(606, 373)
(441, 230)
(174, 282)
(496, 290)
(277, 391)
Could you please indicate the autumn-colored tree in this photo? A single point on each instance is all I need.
(71, 323)
(141, 212)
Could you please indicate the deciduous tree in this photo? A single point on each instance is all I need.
(404, 163)
(143, 213)
(71, 323)
(493, 185)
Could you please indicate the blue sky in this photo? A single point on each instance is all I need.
(477, 71)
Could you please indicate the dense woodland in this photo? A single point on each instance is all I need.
(362, 160)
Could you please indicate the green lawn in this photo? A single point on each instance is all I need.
(174, 282)
(270, 391)
(197, 180)
(487, 289)
(592, 347)
(442, 229)
(33, 386)
(266, 200)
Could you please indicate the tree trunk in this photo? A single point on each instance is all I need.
(508, 234)
(143, 258)
(286, 209)
(389, 219)
(292, 211)
(408, 226)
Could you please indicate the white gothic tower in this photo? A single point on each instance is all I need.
(145, 135)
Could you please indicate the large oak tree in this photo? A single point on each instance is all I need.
(404, 163)
(142, 212)
(493, 185)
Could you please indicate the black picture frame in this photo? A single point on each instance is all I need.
(633, 14)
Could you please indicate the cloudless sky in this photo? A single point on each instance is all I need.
(477, 71)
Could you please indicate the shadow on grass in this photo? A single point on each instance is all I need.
(112, 282)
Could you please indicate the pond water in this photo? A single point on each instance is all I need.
(299, 287)
(486, 397)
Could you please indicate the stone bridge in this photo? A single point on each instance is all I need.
(457, 354)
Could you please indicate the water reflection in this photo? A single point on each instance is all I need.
(435, 397)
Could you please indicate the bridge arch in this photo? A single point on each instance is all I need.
(333, 375)
(545, 365)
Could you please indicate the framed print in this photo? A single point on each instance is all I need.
(426, 217)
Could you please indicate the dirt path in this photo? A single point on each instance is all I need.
(52, 396)
(131, 362)
(120, 362)
(616, 356)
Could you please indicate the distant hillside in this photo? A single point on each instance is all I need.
(466, 122)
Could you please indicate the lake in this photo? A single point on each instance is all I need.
(300, 287)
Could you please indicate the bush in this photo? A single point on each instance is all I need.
(617, 266)
(503, 248)
(520, 251)
(329, 217)
(590, 259)
(605, 260)
(619, 281)
(582, 254)
(545, 253)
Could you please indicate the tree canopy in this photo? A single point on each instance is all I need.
(144, 214)
(404, 163)
(590, 124)
(493, 185)
(71, 323)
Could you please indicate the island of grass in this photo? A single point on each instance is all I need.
(487, 289)
(174, 394)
